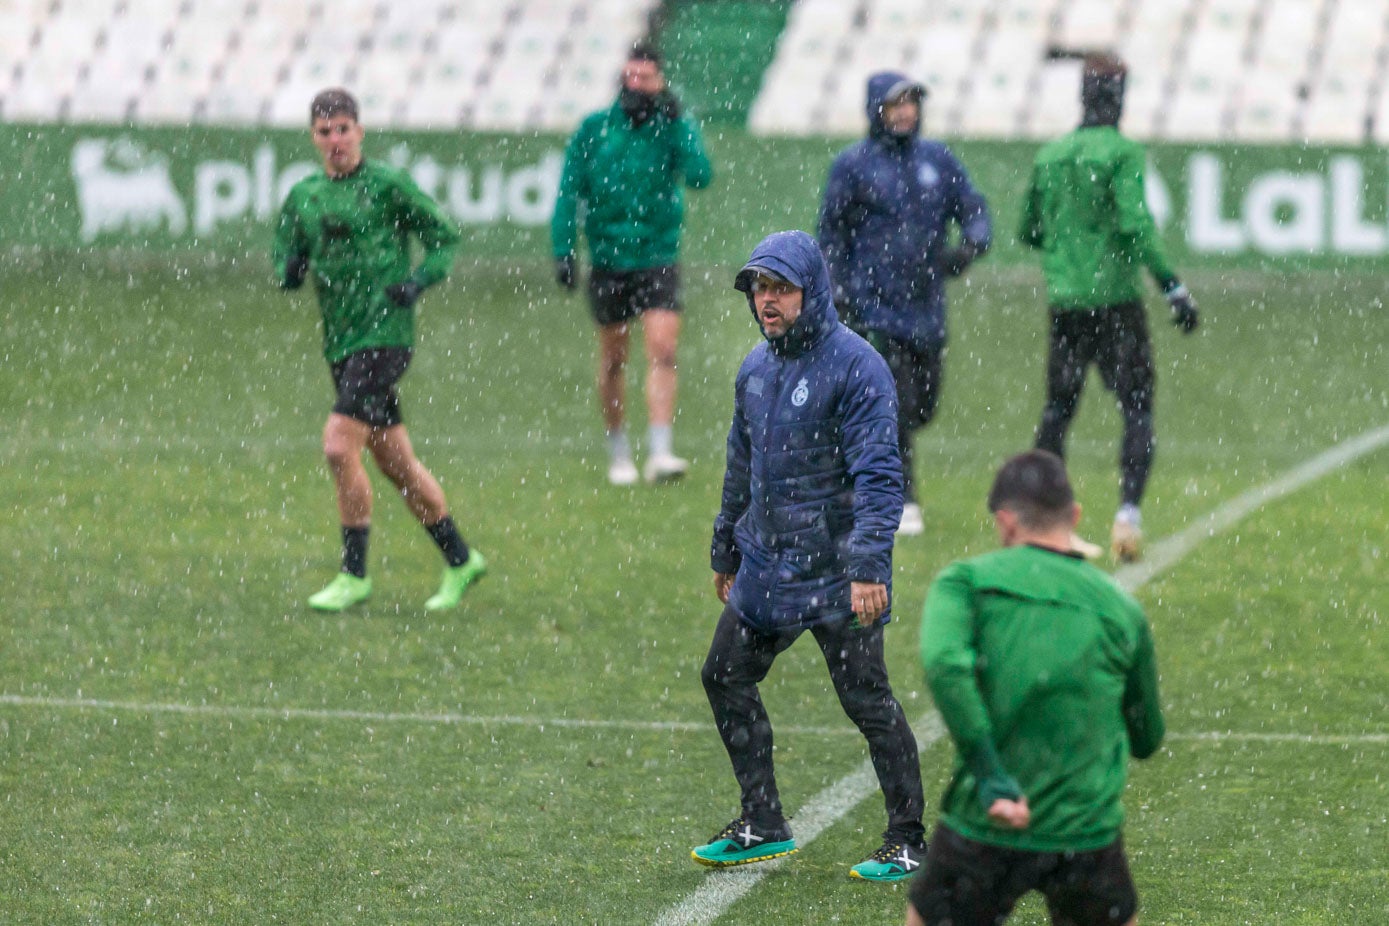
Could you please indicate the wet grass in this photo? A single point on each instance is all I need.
(166, 512)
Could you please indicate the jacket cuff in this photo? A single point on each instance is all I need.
(867, 567)
(994, 781)
(724, 557)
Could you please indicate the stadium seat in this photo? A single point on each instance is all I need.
(1267, 104)
(1088, 25)
(183, 72)
(997, 90)
(1053, 107)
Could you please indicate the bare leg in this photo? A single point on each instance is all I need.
(661, 331)
(344, 439)
(612, 380)
(395, 456)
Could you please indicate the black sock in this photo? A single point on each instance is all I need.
(449, 541)
(354, 550)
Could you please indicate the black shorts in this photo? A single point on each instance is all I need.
(617, 296)
(969, 883)
(366, 385)
(1115, 339)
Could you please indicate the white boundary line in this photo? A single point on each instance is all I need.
(929, 724)
(1162, 555)
(439, 719)
(720, 891)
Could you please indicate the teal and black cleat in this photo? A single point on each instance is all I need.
(456, 581)
(892, 862)
(741, 843)
(342, 593)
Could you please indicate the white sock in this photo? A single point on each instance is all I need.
(1129, 514)
(619, 447)
(662, 438)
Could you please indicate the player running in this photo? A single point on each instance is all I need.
(349, 226)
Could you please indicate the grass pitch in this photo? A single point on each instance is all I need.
(182, 740)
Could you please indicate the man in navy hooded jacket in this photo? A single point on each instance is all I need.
(812, 495)
(884, 224)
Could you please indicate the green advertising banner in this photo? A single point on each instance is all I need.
(217, 191)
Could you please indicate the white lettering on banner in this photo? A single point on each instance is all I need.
(1350, 233)
(122, 187)
(1157, 196)
(221, 191)
(531, 191)
(486, 207)
(475, 197)
(1282, 212)
(1285, 213)
(1206, 229)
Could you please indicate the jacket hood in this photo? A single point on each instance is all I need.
(795, 257)
(882, 87)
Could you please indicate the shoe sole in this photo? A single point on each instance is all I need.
(902, 877)
(336, 609)
(665, 478)
(711, 863)
(1128, 554)
(467, 588)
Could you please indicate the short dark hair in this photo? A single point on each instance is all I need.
(1035, 487)
(646, 51)
(1102, 78)
(335, 101)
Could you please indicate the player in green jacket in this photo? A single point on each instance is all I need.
(1043, 670)
(349, 228)
(1085, 211)
(623, 169)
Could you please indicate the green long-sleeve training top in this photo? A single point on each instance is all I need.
(1085, 211)
(627, 180)
(355, 232)
(1044, 672)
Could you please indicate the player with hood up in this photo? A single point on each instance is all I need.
(885, 225)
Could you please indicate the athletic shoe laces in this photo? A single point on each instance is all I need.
(889, 852)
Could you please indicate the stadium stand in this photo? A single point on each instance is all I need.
(1246, 70)
(490, 64)
(1233, 70)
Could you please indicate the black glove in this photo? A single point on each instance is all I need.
(1184, 314)
(296, 270)
(404, 294)
(668, 105)
(566, 272)
(955, 260)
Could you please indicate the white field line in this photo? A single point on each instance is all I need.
(928, 731)
(439, 719)
(719, 891)
(722, 890)
(1162, 555)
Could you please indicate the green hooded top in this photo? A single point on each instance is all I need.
(1043, 670)
(1085, 211)
(355, 233)
(628, 179)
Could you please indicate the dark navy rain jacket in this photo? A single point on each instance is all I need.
(884, 221)
(812, 493)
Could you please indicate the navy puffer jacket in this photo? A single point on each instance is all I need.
(812, 493)
(885, 220)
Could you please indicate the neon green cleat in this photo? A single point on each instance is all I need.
(342, 593)
(456, 581)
